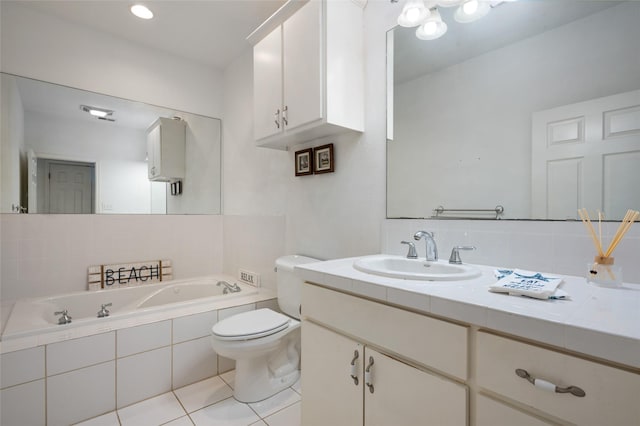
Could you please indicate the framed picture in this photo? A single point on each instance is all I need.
(323, 159)
(304, 162)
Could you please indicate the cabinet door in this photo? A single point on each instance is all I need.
(154, 153)
(403, 395)
(267, 85)
(493, 413)
(331, 395)
(303, 73)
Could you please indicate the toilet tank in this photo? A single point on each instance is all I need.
(289, 285)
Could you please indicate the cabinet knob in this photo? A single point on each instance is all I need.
(367, 375)
(354, 367)
(543, 384)
(285, 116)
(277, 118)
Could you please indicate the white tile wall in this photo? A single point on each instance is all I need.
(193, 326)
(32, 265)
(560, 247)
(226, 313)
(21, 366)
(77, 353)
(254, 243)
(193, 361)
(23, 404)
(143, 338)
(143, 375)
(81, 394)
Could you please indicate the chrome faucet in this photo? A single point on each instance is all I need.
(65, 318)
(104, 312)
(432, 248)
(229, 288)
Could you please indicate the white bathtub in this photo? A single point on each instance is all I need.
(130, 306)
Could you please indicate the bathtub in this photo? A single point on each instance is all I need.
(129, 307)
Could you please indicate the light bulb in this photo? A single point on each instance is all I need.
(470, 7)
(413, 14)
(430, 28)
(98, 113)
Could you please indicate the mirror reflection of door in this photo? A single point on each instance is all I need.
(66, 187)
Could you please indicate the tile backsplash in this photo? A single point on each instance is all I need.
(560, 247)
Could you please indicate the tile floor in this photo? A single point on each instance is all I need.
(207, 403)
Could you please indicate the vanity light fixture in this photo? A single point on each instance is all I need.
(141, 11)
(99, 113)
(424, 14)
(413, 14)
(471, 10)
(433, 28)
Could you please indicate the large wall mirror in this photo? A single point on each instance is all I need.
(534, 107)
(52, 145)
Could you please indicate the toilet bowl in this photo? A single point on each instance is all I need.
(264, 343)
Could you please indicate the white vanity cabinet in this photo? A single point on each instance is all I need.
(166, 145)
(308, 75)
(361, 367)
(611, 395)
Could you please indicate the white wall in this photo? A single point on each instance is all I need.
(327, 216)
(469, 126)
(50, 49)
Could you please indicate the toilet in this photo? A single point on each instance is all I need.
(265, 344)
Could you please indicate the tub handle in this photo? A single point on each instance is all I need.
(65, 318)
(104, 312)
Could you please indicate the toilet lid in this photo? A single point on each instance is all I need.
(251, 325)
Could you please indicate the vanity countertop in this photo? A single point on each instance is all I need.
(602, 322)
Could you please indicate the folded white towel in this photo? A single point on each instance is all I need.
(527, 283)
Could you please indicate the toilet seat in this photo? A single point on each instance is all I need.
(251, 325)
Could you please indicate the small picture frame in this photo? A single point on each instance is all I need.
(323, 161)
(304, 162)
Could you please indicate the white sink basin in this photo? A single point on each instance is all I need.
(415, 269)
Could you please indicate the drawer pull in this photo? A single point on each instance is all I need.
(543, 384)
(367, 375)
(354, 367)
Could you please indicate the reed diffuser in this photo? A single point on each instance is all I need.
(603, 270)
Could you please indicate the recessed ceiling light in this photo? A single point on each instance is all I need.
(141, 11)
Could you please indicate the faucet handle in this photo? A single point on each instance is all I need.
(455, 254)
(412, 254)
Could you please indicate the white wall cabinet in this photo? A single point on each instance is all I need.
(166, 147)
(308, 75)
(348, 381)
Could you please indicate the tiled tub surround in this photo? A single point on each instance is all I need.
(90, 371)
(599, 322)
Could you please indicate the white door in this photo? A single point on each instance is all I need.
(70, 188)
(331, 395)
(302, 41)
(587, 155)
(402, 395)
(267, 85)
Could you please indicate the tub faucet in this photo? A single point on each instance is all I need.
(64, 319)
(229, 288)
(104, 312)
(432, 248)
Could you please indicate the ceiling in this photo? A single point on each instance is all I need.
(211, 32)
(507, 23)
